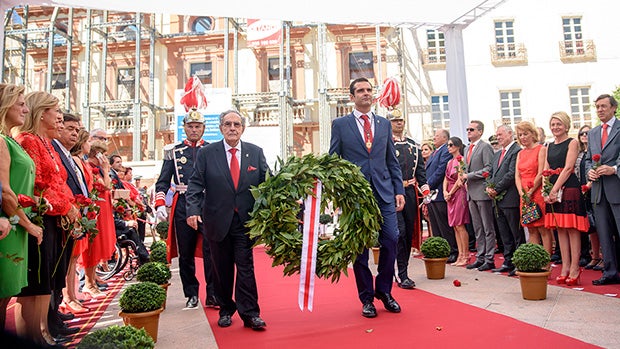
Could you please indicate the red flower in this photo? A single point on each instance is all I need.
(95, 170)
(485, 174)
(456, 283)
(546, 173)
(530, 184)
(91, 215)
(83, 200)
(459, 158)
(114, 181)
(119, 209)
(251, 168)
(26, 201)
(40, 184)
(585, 188)
(99, 187)
(596, 157)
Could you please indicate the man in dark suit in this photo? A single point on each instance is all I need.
(218, 196)
(604, 140)
(438, 209)
(478, 155)
(116, 164)
(507, 213)
(365, 139)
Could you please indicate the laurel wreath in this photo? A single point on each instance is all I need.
(274, 218)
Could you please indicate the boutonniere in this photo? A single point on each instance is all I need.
(251, 168)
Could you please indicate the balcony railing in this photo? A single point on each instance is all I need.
(575, 51)
(508, 55)
(434, 58)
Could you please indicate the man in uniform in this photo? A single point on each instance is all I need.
(409, 156)
(178, 167)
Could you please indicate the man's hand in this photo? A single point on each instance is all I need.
(5, 227)
(193, 221)
(161, 213)
(605, 170)
(400, 202)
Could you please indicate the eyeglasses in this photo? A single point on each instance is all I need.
(584, 133)
(232, 124)
(470, 129)
(450, 145)
(105, 139)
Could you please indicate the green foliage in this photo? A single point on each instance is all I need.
(159, 244)
(274, 218)
(325, 218)
(156, 272)
(531, 258)
(616, 95)
(117, 337)
(142, 297)
(435, 247)
(159, 251)
(162, 229)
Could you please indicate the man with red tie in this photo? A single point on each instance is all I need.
(365, 139)
(219, 197)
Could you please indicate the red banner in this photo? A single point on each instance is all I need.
(264, 32)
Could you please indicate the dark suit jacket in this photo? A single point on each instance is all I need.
(114, 176)
(211, 191)
(436, 170)
(380, 166)
(610, 155)
(503, 176)
(72, 179)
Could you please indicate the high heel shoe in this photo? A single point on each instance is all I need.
(73, 307)
(574, 281)
(561, 279)
(592, 263)
(94, 292)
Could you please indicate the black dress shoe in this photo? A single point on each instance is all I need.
(255, 323)
(67, 331)
(513, 272)
(224, 321)
(211, 302)
(606, 281)
(475, 265)
(407, 284)
(451, 259)
(192, 302)
(389, 303)
(502, 269)
(65, 317)
(369, 310)
(486, 266)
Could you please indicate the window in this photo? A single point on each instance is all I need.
(202, 24)
(436, 46)
(203, 70)
(573, 37)
(361, 65)
(511, 107)
(126, 81)
(580, 106)
(505, 39)
(59, 81)
(274, 69)
(439, 112)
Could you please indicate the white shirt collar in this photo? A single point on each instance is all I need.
(227, 147)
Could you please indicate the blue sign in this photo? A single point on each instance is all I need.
(212, 128)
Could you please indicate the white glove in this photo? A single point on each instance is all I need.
(161, 213)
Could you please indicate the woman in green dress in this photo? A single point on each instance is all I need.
(17, 177)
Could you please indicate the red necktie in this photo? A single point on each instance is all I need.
(234, 167)
(367, 132)
(471, 147)
(604, 135)
(501, 156)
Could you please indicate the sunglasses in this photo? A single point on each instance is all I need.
(470, 129)
(450, 145)
(584, 133)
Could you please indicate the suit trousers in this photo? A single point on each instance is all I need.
(235, 250)
(186, 242)
(508, 222)
(438, 215)
(388, 237)
(607, 217)
(482, 218)
(406, 225)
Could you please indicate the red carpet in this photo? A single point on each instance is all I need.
(426, 320)
(83, 321)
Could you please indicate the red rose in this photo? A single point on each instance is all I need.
(119, 209)
(456, 283)
(95, 170)
(99, 187)
(585, 188)
(596, 157)
(546, 173)
(530, 184)
(459, 158)
(91, 215)
(83, 200)
(485, 174)
(26, 201)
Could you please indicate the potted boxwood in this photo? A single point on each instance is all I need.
(436, 251)
(156, 272)
(117, 337)
(323, 220)
(162, 229)
(531, 261)
(159, 251)
(141, 305)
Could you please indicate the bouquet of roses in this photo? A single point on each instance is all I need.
(38, 207)
(547, 185)
(90, 211)
(124, 209)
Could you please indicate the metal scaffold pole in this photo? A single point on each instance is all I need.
(136, 154)
(324, 112)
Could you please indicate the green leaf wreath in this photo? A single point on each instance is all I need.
(274, 218)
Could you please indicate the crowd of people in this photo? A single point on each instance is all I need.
(60, 213)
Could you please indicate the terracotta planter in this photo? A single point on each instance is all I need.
(165, 287)
(148, 320)
(435, 268)
(375, 255)
(534, 285)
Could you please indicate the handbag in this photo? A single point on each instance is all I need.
(530, 212)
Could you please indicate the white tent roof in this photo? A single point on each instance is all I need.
(393, 12)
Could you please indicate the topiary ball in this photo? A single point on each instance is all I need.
(531, 258)
(159, 253)
(156, 272)
(142, 297)
(162, 229)
(159, 244)
(117, 337)
(435, 247)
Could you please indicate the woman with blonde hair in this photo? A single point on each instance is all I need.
(17, 177)
(45, 275)
(565, 209)
(528, 179)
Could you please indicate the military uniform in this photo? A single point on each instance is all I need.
(178, 167)
(409, 155)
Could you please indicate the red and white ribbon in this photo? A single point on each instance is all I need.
(312, 212)
(390, 96)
